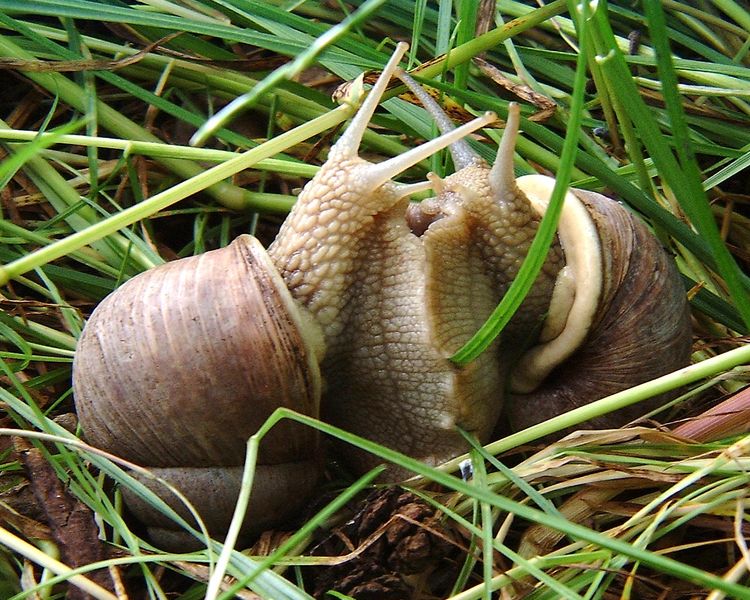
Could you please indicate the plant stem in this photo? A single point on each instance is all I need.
(174, 194)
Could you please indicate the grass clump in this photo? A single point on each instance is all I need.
(135, 133)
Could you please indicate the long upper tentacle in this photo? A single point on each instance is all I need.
(501, 174)
(386, 170)
(461, 152)
(348, 144)
(376, 175)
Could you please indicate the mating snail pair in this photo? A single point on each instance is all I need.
(353, 316)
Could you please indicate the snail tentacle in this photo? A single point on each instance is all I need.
(460, 150)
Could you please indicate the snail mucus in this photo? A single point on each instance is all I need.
(352, 314)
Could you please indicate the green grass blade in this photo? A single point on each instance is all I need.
(289, 70)
(687, 185)
(534, 260)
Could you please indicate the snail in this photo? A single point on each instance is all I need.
(607, 290)
(352, 314)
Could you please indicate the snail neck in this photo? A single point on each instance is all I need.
(318, 250)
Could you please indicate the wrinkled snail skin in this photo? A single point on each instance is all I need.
(612, 308)
(498, 220)
(349, 258)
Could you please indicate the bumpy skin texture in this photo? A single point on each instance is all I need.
(318, 249)
(394, 306)
(348, 256)
(390, 317)
(503, 226)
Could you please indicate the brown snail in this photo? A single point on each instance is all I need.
(177, 368)
(607, 290)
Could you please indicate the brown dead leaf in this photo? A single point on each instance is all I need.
(546, 106)
(730, 417)
(70, 521)
(28, 527)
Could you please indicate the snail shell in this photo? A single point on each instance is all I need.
(186, 361)
(640, 328)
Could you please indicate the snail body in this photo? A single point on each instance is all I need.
(606, 291)
(352, 314)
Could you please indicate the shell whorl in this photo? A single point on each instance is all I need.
(183, 363)
(641, 328)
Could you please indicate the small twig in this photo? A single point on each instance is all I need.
(70, 66)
